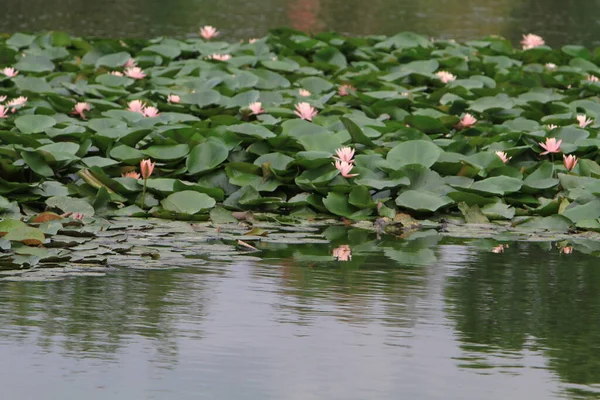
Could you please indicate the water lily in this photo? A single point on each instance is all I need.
(3, 112)
(503, 156)
(208, 32)
(116, 73)
(530, 41)
(18, 102)
(256, 108)
(342, 253)
(445, 76)
(137, 106)
(570, 161)
(344, 168)
(220, 57)
(551, 146)
(305, 111)
(498, 249)
(135, 73)
(77, 216)
(345, 154)
(151, 111)
(566, 250)
(80, 108)
(343, 89)
(303, 92)
(552, 126)
(10, 72)
(131, 174)
(253, 40)
(130, 63)
(584, 121)
(467, 121)
(591, 78)
(2, 98)
(551, 66)
(173, 98)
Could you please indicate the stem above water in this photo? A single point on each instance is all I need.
(144, 193)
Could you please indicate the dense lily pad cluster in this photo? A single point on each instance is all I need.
(437, 127)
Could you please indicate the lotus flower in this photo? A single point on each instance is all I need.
(342, 253)
(530, 41)
(345, 154)
(10, 72)
(503, 156)
(467, 121)
(445, 76)
(151, 112)
(117, 73)
(3, 111)
(220, 57)
(498, 249)
(551, 146)
(80, 108)
(583, 120)
(256, 108)
(208, 32)
(137, 106)
(147, 167)
(551, 66)
(570, 161)
(591, 78)
(130, 63)
(303, 92)
(343, 89)
(344, 168)
(552, 126)
(135, 73)
(18, 102)
(131, 174)
(305, 111)
(566, 250)
(173, 98)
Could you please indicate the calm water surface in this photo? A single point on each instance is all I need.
(559, 21)
(453, 321)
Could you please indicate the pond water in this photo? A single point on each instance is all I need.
(559, 21)
(453, 321)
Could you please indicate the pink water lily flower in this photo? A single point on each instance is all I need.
(131, 174)
(2, 98)
(18, 102)
(130, 63)
(345, 168)
(173, 98)
(570, 161)
(566, 250)
(10, 72)
(151, 111)
(220, 57)
(305, 111)
(135, 73)
(445, 76)
(137, 106)
(3, 111)
(467, 121)
(342, 253)
(303, 92)
(583, 120)
(498, 249)
(78, 216)
(345, 154)
(253, 40)
(147, 167)
(116, 73)
(208, 32)
(530, 41)
(343, 89)
(551, 66)
(552, 126)
(256, 108)
(551, 146)
(591, 78)
(503, 156)
(80, 108)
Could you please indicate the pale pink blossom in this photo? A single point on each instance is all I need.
(551, 146)
(570, 161)
(131, 174)
(305, 111)
(551, 66)
(18, 102)
(135, 73)
(344, 168)
(10, 72)
(467, 121)
(530, 41)
(2, 98)
(343, 89)
(137, 106)
(116, 73)
(220, 57)
(498, 249)
(445, 76)
(342, 253)
(3, 111)
(208, 32)
(345, 154)
(256, 108)
(303, 92)
(253, 40)
(552, 126)
(151, 111)
(130, 63)
(78, 216)
(503, 156)
(584, 121)
(80, 108)
(173, 98)
(147, 167)
(592, 78)
(566, 250)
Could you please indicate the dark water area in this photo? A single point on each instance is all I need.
(558, 21)
(420, 319)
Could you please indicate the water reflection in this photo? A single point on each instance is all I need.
(423, 317)
(559, 21)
